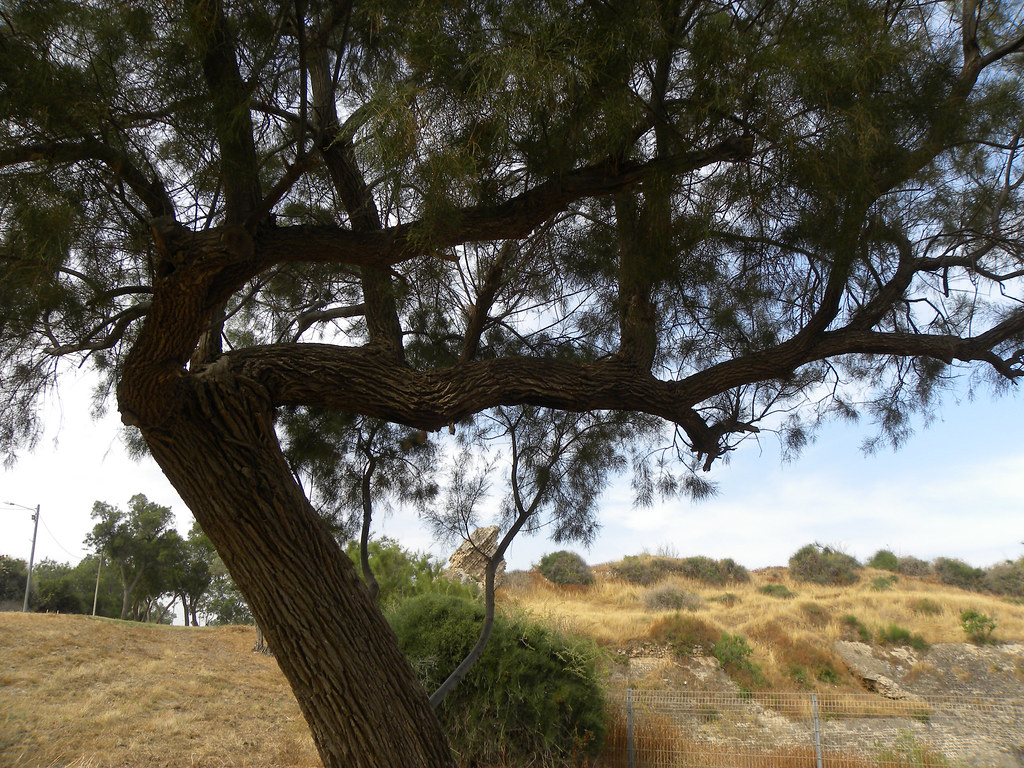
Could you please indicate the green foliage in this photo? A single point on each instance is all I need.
(883, 583)
(13, 573)
(142, 546)
(565, 567)
(884, 560)
(856, 628)
(63, 588)
(669, 598)
(823, 565)
(894, 634)
(647, 569)
(957, 573)
(926, 607)
(533, 697)
(401, 573)
(776, 590)
(1006, 578)
(913, 566)
(733, 653)
(977, 626)
(685, 635)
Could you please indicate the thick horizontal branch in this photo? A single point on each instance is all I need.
(363, 381)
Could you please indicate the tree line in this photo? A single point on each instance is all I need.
(140, 568)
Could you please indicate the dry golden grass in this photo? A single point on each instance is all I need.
(77, 692)
(785, 633)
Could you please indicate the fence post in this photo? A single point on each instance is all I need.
(629, 725)
(817, 730)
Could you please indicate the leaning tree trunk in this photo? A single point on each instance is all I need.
(356, 689)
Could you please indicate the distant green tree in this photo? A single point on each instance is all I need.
(55, 589)
(138, 543)
(13, 573)
(191, 571)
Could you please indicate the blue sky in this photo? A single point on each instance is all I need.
(956, 489)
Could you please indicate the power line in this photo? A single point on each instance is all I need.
(72, 554)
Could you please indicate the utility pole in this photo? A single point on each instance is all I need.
(32, 557)
(96, 594)
(31, 560)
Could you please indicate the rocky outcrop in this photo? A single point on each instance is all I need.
(876, 674)
(469, 562)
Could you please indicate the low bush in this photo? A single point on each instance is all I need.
(977, 626)
(823, 565)
(668, 598)
(913, 566)
(855, 629)
(926, 607)
(957, 573)
(733, 653)
(1006, 578)
(640, 569)
(884, 560)
(565, 567)
(894, 634)
(883, 583)
(685, 635)
(649, 569)
(533, 698)
(776, 590)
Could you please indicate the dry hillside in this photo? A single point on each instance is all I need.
(77, 692)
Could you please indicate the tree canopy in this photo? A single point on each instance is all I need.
(724, 215)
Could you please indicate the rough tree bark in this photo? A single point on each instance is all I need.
(356, 689)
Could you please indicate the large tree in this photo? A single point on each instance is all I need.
(709, 212)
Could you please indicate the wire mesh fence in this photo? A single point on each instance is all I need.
(654, 729)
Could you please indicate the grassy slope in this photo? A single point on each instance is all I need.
(77, 692)
(783, 632)
(90, 693)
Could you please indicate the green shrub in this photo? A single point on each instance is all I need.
(401, 573)
(856, 628)
(685, 635)
(640, 569)
(823, 565)
(648, 569)
(776, 590)
(733, 653)
(957, 573)
(883, 583)
(977, 626)
(565, 567)
(532, 698)
(913, 566)
(894, 634)
(1006, 578)
(884, 560)
(926, 607)
(715, 572)
(668, 598)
